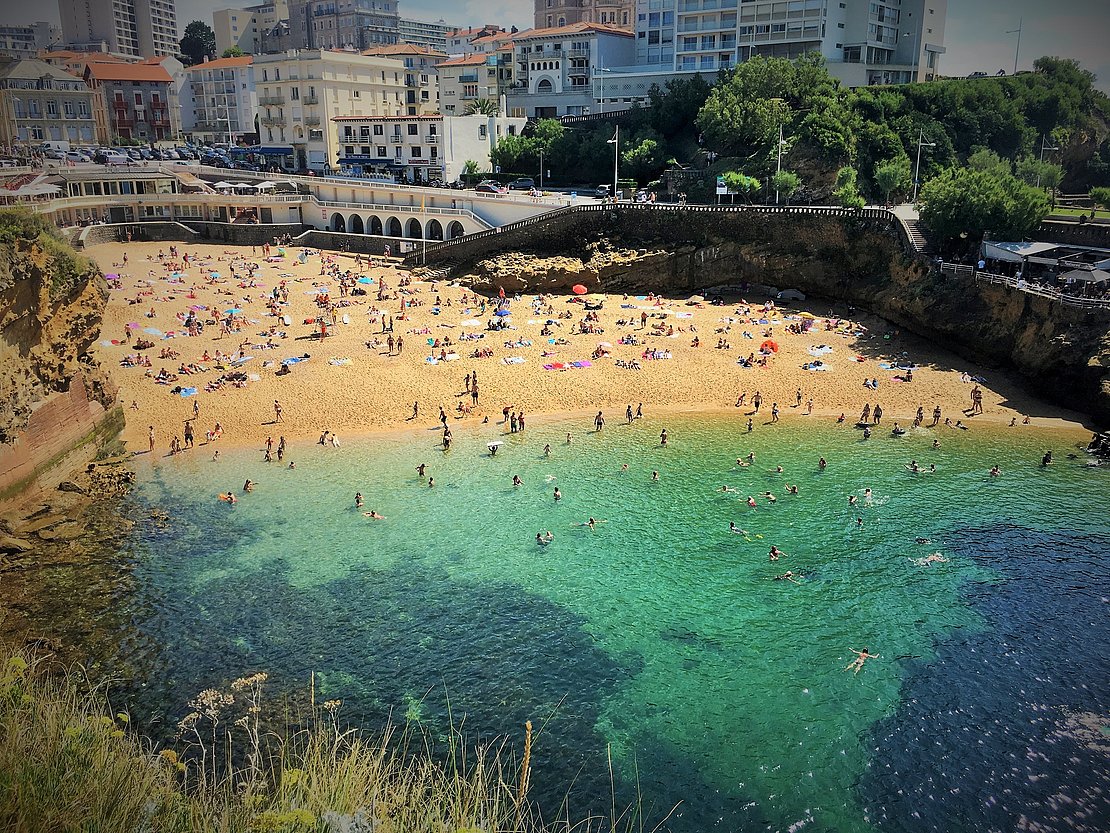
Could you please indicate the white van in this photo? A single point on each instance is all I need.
(111, 159)
(60, 147)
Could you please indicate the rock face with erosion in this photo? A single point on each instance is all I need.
(53, 393)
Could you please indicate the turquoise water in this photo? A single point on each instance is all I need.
(660, 634)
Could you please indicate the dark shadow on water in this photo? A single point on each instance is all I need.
(1008, 728)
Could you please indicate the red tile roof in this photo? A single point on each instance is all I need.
(466, 61)
(107, 71)
(223, 63)
(574, 29)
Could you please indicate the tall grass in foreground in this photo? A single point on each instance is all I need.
(67, 763)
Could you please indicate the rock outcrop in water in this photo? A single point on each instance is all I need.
(51, 303)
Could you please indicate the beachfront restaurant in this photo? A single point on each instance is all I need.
(1077, 270)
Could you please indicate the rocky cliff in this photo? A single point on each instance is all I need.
(52, 392)
(1062, 351)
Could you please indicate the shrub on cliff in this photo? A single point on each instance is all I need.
(20, 228)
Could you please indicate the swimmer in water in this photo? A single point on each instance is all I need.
(591, 523)
(867, 495)
(568, 438)
(751, 456)
(935, 558)
(867, 433)
(558, 495)
(248, 486)
(776, 470)
(791, 490)
(229, 497)
(539, 539)
(358, 500)
(770, 498)
(547, 450)
(292, 465)
(751, 502)
(741, 463)
(624, 467)
(727, 489)
(787, 576)
(655, 477)
(431, 482)
(775, 554)
(1047, 459)
(373, 514)
(216, 457)
(859, 521)
(852, 500)
(549, 537)
(995, 471)
(732, 527)
(421, 469)
(936, 443)
(821, 464)
(861, 657)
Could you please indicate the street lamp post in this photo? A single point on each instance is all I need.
(1044, 147)
(601, 76)
(778, 167)
(1017, 49)
(921, 143)
(541, 169)
(616, 143)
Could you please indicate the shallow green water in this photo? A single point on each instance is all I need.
(659, 633)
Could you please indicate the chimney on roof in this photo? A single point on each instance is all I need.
(513, 30)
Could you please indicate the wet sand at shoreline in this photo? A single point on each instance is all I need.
(350, 388)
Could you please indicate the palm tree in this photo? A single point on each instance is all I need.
(482, 107)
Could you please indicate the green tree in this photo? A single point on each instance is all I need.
(233, 52)
(482, 107)
(893, 177)
(988, 162)
(786, 184)
(198, 43)
(846, 190)
(1101, 197)
(510, 152)
(966, 201)
(643, 160)
(673, 109)
(1046, 175)
(470, 170)
(742, 184)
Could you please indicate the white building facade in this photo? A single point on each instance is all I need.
(219, 101)
(420, 148)
(555, 67)
(246, 28)
(863, 41)
(301, 92)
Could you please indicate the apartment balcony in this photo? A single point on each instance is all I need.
(395, 140)
(312, 121)
(469, 79)
(159, 122)
(271, 100)
(431, 140)
(577, 53)
(121, 120)
(269, 121)
(310, 99)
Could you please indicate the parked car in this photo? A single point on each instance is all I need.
(603, 192)
(111, 159)
(490, 187)
(525, 183)
(76, 156)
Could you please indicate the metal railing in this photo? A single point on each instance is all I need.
(961, 270)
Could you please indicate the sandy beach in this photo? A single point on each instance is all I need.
(351, 385)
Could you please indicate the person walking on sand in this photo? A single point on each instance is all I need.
(278, 417)
(151, 439)
(628, 414)
(663, 437)
(757, 400)
(774, 412)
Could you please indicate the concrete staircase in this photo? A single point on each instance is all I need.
(916, 233)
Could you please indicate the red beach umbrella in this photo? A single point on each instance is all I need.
(769, 345)
(578, 289)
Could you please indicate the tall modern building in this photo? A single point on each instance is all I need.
(343, 24)
(27, 41)
(551, 13)
(141, 28)
(863, 41)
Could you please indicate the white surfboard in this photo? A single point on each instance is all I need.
(287, 321)
(346, 319)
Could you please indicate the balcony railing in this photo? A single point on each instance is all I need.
(577, 53)
(123, 121)
(310, 99)
(395, 139)
(269, 121)
(271, 100)
(312, 121)
(431, 140)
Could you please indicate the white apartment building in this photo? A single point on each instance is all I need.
(301, 91)
(554, 67)
(219, 101)
(463, 81)
(863, 41)
(420, 148)
(139, 28)
(246, 28)
(421, 74)
(27, 41)
(419, 33)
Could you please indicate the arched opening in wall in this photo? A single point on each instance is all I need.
(355, 224)
(544, 86)
(337, 223)
(374, 226)
(434, 230)
(455, 230)
(394, 227)
(413, 230)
